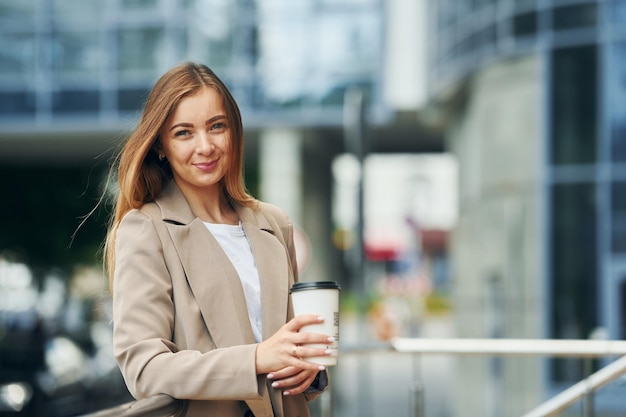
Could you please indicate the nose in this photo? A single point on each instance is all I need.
(204, 144)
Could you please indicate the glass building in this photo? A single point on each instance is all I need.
(534, 97)
(63, 60)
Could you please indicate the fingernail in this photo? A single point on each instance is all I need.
(285, 392)
(331, 339)
(270, 376)
(320, 318)
(321, 367)
(274, 384)
(328, 351)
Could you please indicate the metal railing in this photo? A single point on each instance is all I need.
(165, 406)
(524, 347)
(552, 347)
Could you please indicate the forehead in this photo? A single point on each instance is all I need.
(206, 102)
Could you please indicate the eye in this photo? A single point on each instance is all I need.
(218, 126)
(182, 133)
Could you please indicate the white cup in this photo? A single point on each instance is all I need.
(320, 298)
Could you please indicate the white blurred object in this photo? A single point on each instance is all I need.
(400, 187)
(67, 364)
(14, 396)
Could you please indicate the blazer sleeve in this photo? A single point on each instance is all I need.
(143, 316)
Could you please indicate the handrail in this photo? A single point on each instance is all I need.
(566, 398)
(552, 347)
(158, 406)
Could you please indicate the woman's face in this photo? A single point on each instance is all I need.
(196, 140)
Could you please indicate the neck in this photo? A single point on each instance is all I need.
(211, 205)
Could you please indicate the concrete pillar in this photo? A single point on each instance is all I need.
(406, 54)
(280, 170)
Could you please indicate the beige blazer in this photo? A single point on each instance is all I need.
(181, 325)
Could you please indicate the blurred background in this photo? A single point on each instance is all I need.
(458, 166)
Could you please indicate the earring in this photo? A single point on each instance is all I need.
(161, 157)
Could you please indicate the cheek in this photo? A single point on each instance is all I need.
(225, 143)
(177, 150)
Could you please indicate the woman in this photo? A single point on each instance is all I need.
(199, 270)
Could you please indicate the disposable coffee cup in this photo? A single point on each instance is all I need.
(320, 298)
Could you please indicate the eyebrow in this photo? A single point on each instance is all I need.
(211, 120)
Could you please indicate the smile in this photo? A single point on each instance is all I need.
(206, 166)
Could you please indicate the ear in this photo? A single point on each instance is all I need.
(157, 148)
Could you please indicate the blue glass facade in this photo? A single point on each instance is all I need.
(96, 60)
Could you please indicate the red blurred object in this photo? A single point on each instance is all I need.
(434, 241)
(382, 250)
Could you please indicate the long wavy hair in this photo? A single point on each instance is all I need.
(141, 175)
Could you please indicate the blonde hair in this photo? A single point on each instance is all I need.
(141, 175)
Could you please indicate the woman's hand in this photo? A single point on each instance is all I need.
(292, 380)
(283, 355)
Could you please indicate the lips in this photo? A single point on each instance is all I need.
(206, 166)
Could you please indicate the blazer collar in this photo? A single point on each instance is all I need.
(213, 279)
(174, 208)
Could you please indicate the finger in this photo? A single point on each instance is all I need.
(299, 365)
(298, 389)
(283, 373)
(292, 380)
(306, 351)
(295, 378)
(301, 387)
(314, 338)
(301, 320)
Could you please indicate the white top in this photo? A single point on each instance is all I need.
(235, 244)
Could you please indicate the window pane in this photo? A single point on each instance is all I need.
(574, 109)
(481, 3)
(131, 99)
(616, 91)
(139, 49)
(617, 14)
(524, 5)
(211, 38)
(618, 209)
(75, 101)
(78, 13)
(215, 51)
(139, 4)
(574, 17)
(17, 13)
(525, 25)
(14, 103)
(17, 55)
(77, 52)
(309, 59)
(574, 275)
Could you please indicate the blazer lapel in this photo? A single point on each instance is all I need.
(214, 283)
(211, 276)
(271, 262)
